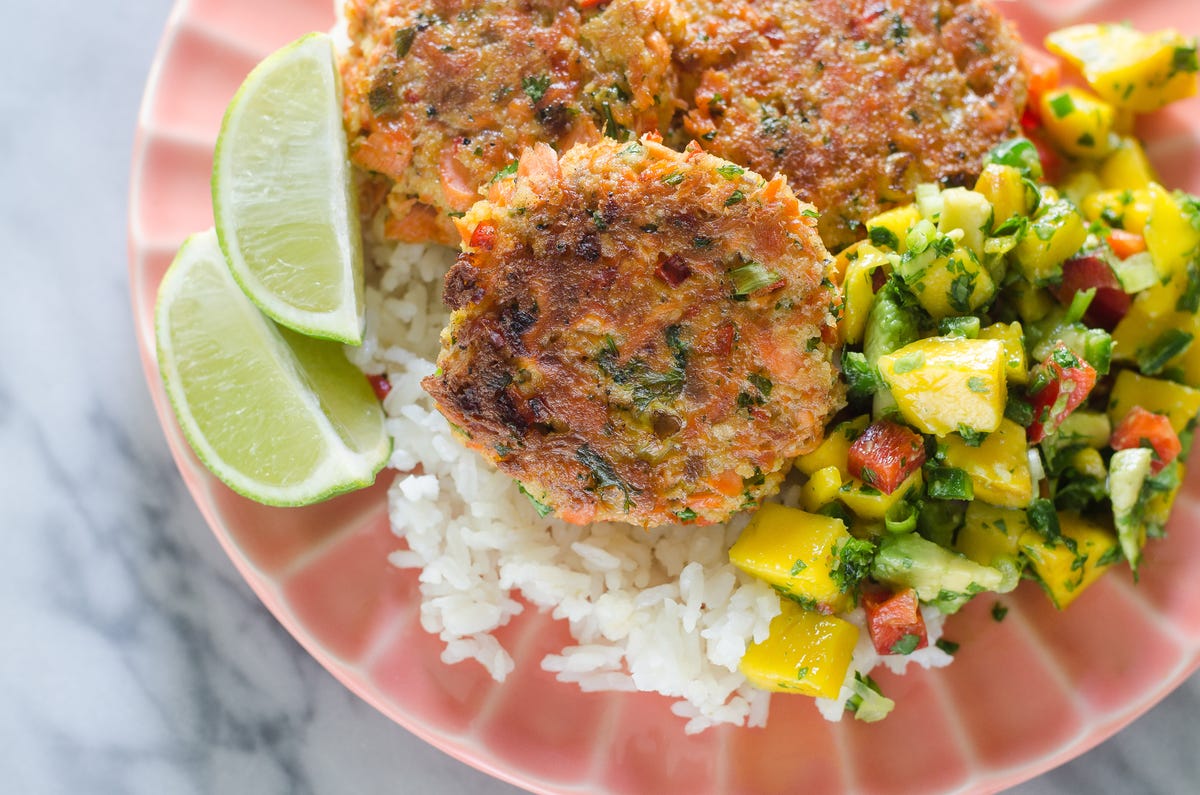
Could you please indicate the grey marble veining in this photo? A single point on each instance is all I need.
(132, 657)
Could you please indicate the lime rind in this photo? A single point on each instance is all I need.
(285, 209)
(328, 426)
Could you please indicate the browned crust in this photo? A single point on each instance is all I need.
(599, 353)
(857, 101)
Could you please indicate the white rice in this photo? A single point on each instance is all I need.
(659, 610)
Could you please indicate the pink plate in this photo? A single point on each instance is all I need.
(1021, 697)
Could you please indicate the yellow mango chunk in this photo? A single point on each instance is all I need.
(793, 551)
(1127, 168)
(834, 451)
(859, 290)
(990, 533)
(897, 222)
(1152, 314)
(943, 383)
(1005, 189)
(1170, 237)
(1179, 403)
(806, 652)
(1127, 209)
(1158, 505)
(1065, 573)
(1056, 233)
(952, 285)
(821, 489)
(1016, 366)
(1077, 122)
(1133, 70)
(999, 466)
(868, 502)
(1087, 461)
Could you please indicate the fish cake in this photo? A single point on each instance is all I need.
(639, 334)
(440, 95)
(856, 101)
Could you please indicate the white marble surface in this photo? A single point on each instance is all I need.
(133, 659)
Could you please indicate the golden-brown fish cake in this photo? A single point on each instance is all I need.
(442, 94)
(856, 101)
(639, 334)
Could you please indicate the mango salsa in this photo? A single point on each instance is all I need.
(1078, 123)
(793, 551)
(1127, 168)
(821, 489)
(1004, 187)
(868, 502)
(1065, 571)
(893, 225)
(1016, 365)
(1179, 403)
(942, 384)
(1170, 237)
(1057, 232)
(834, 451)
(999, 466)
(1133, 70)
(858, 290)
(806, 652)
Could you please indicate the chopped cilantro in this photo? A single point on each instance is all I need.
(736, 197)
(882, 236)
(761, 383)
(948, 646)
(730, 171)
(999, 611)
(1169, 344)
(542, 508)
(906, 644)
(852, 562)
(507, 171)
(603, 476)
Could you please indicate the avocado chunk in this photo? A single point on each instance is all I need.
(1127, 473)
(940, 576)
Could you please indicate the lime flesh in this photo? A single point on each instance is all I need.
(283, 201)
(281, 418)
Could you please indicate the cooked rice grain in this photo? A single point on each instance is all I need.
(659, 610)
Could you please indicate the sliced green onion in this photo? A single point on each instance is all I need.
(1021, 154)
(901, 518)
(949, 483)
(967, 327)
(1172, 342)
(1079, 305)
(751, 277)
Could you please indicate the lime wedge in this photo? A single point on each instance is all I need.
(282, 197)
(281, 418)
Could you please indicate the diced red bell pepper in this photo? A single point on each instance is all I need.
(1111, 301)
(1125, 244)
(1052, 162)
(1057, 387)
(894, 621)
(885, 455)
(1044, 70)
(381, 385)
(484, 236)
(673, 270)
(1142, 428)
